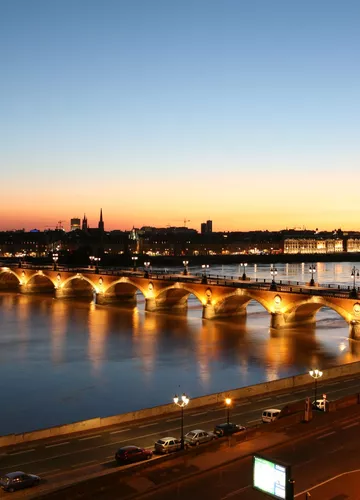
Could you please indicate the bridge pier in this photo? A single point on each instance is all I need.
(150, 305)
(208, 311)
(354, 330)
(277, 321)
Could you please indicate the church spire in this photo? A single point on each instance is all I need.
(101, 222)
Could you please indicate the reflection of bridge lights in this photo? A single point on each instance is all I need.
(342, 346)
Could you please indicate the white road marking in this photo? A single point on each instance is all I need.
(90, 437)
(173, 419)
(197, 414)
(302, 493)
(57, 444)
(147, 425)
(252, 421)
(264, 399)
(350, 425)
(232, 493)
(82, 464)
(46, 472)
(118, 432)
(326, 435)
(282, 395)
(20, 452)
(243, 404)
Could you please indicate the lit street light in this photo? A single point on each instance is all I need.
(228, 402)
(182, 403)
(134, 259)
(92, 259)
(315, 374)
(205, 267)
(312, 270)
(147, 265)
(354, 274)
(273, 272)
(243, 265)
(185, 264)
(55, 258)
(97, 263)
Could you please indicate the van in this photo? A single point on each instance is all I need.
(270, 415)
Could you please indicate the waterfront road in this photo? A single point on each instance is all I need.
(62, 456)
(326, 465)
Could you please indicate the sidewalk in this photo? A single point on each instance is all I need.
(147, 478)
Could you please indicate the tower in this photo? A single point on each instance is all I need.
(84, 225)
(101, 222)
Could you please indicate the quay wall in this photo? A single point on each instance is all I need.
(288, 384)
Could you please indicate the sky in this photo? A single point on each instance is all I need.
(245, 112)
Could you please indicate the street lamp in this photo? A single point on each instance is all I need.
(228, 402)
(97, 263)
(243, 265)
(134, 259)
(273, 272)
(185, 264)
(147, 265)
(315, 374)
(312, 270)
(204, 276)
(92, 258)
(55, 258)
(182, 403)
(354, 274)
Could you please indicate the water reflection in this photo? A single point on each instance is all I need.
(87, 360)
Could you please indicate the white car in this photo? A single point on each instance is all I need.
(194, 438)
(270, 415)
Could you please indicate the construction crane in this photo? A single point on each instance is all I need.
(59, 224)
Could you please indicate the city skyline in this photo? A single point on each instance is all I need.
(245, 113)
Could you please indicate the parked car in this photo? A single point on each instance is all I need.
(198, 436)
(227, 429)
(131, 454)
(167, 445)
(270, 415)
(320, 404)
(18, 480)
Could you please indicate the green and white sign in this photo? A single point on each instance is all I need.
(270, 477)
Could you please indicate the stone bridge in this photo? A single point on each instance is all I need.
(288, 305)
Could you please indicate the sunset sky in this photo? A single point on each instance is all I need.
(246, 112)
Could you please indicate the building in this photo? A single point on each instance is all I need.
(209, 226)
(313, 245)
(74, 224)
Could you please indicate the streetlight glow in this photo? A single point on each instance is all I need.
(315, 374)
(182, 403)
(243, 265)
(312, 270)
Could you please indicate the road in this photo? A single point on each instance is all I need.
(320, 465)
(93, 451)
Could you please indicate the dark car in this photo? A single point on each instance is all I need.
(227, 429)
(131, 454)
(18, 480)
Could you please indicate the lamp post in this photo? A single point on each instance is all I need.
(182, 403)
(315, 374)
(273, 272)
(185, 264)
(204, 276)
(354, 274)
(147, 265)
(312, 270)
(228, 402)
(55, 258)
(92, 258)
(134, 259)
(97, 263)
(243, 266)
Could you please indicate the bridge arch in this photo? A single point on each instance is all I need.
(304, 311)
(122, 292)
(9, 280)
(38, 282)
(174, 298)
(235, 303)
(77, 286)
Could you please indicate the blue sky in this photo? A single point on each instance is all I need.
(196, 99)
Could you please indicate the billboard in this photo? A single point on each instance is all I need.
(271, 477)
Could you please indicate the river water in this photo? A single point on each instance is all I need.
(63, 361)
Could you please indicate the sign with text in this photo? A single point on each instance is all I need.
(271, 477)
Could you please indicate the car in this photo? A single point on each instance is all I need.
(320, 404)
(18, 480)
(167, 445)
(198, 436)
(227, 429)
(270, 415)
(131, 454)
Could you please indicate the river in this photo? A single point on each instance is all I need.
(65, 360)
